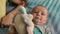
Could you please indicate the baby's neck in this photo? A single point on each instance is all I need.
(40, 24)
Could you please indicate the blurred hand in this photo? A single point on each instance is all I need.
(7, 20)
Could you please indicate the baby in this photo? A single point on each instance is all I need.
(40, 17)
(37, 25)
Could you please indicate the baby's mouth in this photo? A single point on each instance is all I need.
(37, 17)
(38, 20)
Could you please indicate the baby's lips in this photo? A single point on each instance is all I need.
(38, 17)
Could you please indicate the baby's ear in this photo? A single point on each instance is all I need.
(30, 16)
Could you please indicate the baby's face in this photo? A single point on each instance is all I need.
(40, 15)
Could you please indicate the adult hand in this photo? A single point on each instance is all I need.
(7, 20)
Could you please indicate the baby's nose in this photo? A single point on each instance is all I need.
(39, 14)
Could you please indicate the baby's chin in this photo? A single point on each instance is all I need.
(44, 22)
(40, 23)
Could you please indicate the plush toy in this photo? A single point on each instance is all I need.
(23, 20)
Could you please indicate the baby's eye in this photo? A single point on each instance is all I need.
(35, 12)
(42, 14)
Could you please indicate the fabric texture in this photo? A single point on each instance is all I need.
(2, 8)
(3, 13)
(37, 30)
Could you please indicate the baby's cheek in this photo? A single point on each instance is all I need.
(34, 16)
(44, 19)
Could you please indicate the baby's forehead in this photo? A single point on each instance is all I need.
(40, 8)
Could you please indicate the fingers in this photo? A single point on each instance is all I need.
(7, 25)
(7, 20)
